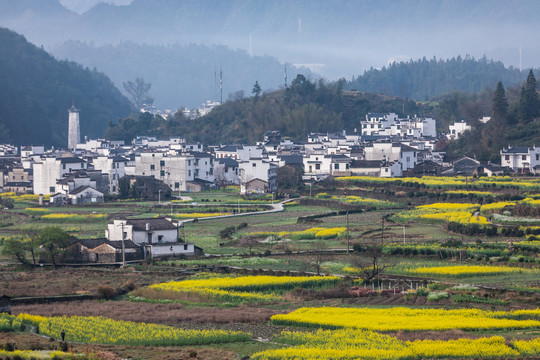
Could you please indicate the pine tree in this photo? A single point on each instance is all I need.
(499, 110)
(529, 99)
(256, 89)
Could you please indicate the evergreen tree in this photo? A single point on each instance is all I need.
(500, 105)
(529, 99)
(256, 89)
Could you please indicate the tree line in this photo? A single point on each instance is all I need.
(424, 79)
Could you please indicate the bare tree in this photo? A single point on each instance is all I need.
(370, 261)
(320, 256)
(138, 91)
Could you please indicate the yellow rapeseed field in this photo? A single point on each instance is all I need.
(399, 318)
(363, 344)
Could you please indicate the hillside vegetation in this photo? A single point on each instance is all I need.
(303, 107)
(306, 107)
(424, 79)
(36, 90)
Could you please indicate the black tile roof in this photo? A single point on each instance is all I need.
(517, 149)
(71, 160)
(227, 161)
(155, 224)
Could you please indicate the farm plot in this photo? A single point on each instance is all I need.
(361, 344)
(100, 330)
(406, 319)
(241, 289)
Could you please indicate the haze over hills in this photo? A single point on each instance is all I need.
(36, 90)
(334, 38)
(181, 75)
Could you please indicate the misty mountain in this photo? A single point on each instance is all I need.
(36, 90)
(181, 75)
(424, 79)
(334, 38)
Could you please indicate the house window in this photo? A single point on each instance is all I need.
(386, 170)
(176, 185)
(51, 189)
(254, 165)
(160, 239)
(162, 163)
(537, 157)
(185, 247)
(336, 166)
(189, 173)
(189, 162)
(507, 157)
(149, 238)
(162, 173)
(82, 166)
(114, 188)
(64, 166)
(152, 167)
(317, 166)
(523, 157)
(347, 166)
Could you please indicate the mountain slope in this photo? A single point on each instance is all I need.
(36, 90)
(424, 79)
(344, 37)
(181, 75)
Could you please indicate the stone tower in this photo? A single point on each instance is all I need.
(74, 130)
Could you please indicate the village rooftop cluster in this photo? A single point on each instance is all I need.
(385, 146)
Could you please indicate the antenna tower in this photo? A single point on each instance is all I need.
(220, 85)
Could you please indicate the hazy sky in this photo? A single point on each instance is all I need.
(80, 6)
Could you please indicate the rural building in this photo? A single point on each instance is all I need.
(158, 236)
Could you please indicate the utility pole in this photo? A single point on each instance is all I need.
(348, 239)
(382, 231)
(123, 248)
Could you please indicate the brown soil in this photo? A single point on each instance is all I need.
(113, 352)
(64, 281)
(171, 314)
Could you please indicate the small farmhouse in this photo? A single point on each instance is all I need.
(158, 236)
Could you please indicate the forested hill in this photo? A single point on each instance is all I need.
(304, 107)
(424, 79)
(36, 90)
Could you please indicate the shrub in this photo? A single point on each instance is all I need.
(106, 292)
(242, 226)
(422, 292)
(436, 296)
